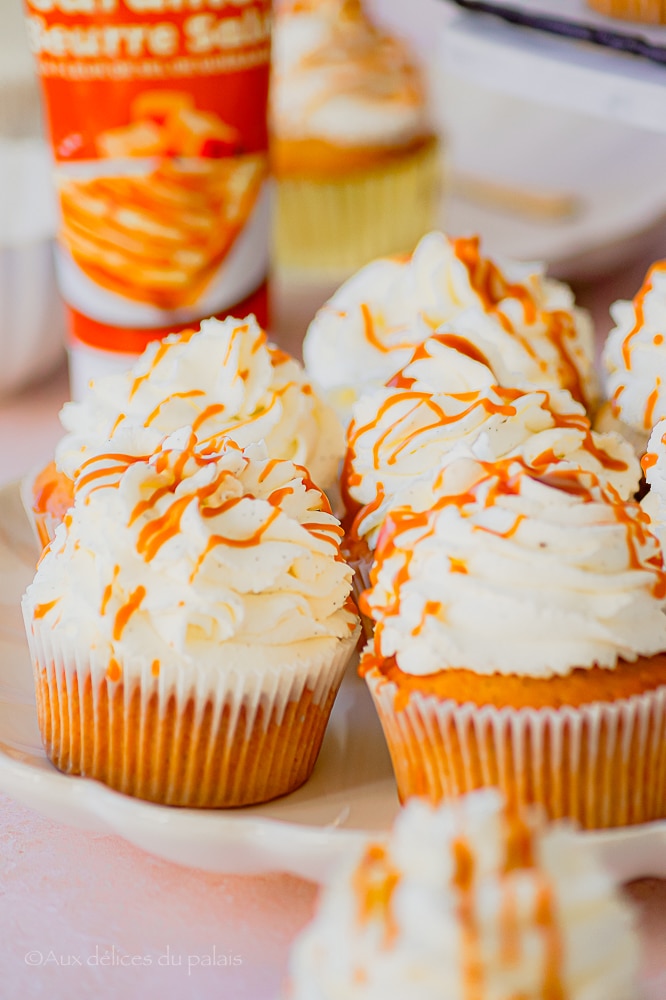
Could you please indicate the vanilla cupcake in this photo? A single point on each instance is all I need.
(520, 641)
(634, 359)
(447, 401)
(368, 330)
(356, 162)
(223, 380)
(469, 900)
(189, 625)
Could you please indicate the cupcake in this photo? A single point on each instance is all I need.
(189, 625)
(356, 162)
(519, 641)
(446, 402)
(634, 359)
(368, 330)
(646, 11)
(224, 379)
(469, 899)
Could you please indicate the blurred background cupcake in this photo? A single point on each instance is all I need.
(469, 900)
(355, 157)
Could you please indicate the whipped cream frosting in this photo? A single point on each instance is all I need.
(466, 900)
(368, 329)
(561, 573)
(634, 355)
(193, 549)
(222, 380)
(338, 78)
(444, 400)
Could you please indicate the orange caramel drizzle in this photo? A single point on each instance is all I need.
(171, 467)
(108, 591)
(648, 460)
(183, 337)
(639, 311)
(189, 394)
(627, 345)
(125, 611)
(43, 609)
(374, 883)
(351, 479)
(651, 402)
(113, 671)
(493, 289)
(519, 856)
(503, 478)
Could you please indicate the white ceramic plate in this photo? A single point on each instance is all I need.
(351, 794)
(608, 172)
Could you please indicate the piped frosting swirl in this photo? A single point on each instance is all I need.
(174, 555)
(634, 355)
(447, 401)
(508, 312)
(222, 380)
(562, 574)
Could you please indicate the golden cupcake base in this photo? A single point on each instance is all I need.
(602, 764)
(159, 752)
(336, 225)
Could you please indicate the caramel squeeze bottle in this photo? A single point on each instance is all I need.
(156, 111)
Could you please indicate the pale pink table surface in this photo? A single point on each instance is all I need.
(75, 906)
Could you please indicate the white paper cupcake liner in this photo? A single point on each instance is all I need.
(192, 736)
(333, 227)
(602, 764)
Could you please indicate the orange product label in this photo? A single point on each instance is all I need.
(157, 119)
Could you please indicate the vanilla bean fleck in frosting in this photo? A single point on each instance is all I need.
(222, 380)
(469, 901)
(447, 399)
(509, 312)
(560, 573)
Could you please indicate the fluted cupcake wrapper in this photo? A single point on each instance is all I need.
(336, 226)
(602, 764)
(190, 736)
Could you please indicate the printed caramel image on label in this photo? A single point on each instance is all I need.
(158, 234)
(156, 112)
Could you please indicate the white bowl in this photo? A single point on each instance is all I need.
(31, 312)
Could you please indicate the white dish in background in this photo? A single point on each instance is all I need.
(350, 796)
(610, 174)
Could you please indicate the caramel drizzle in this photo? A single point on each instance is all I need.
(639, 311)
(183, 337)
(493, 288)
(502, 477)
(374, 882)
(126, 611)
(351, 479)
(653, 398)
(112, 464)
(43, 609)
(190, 394)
